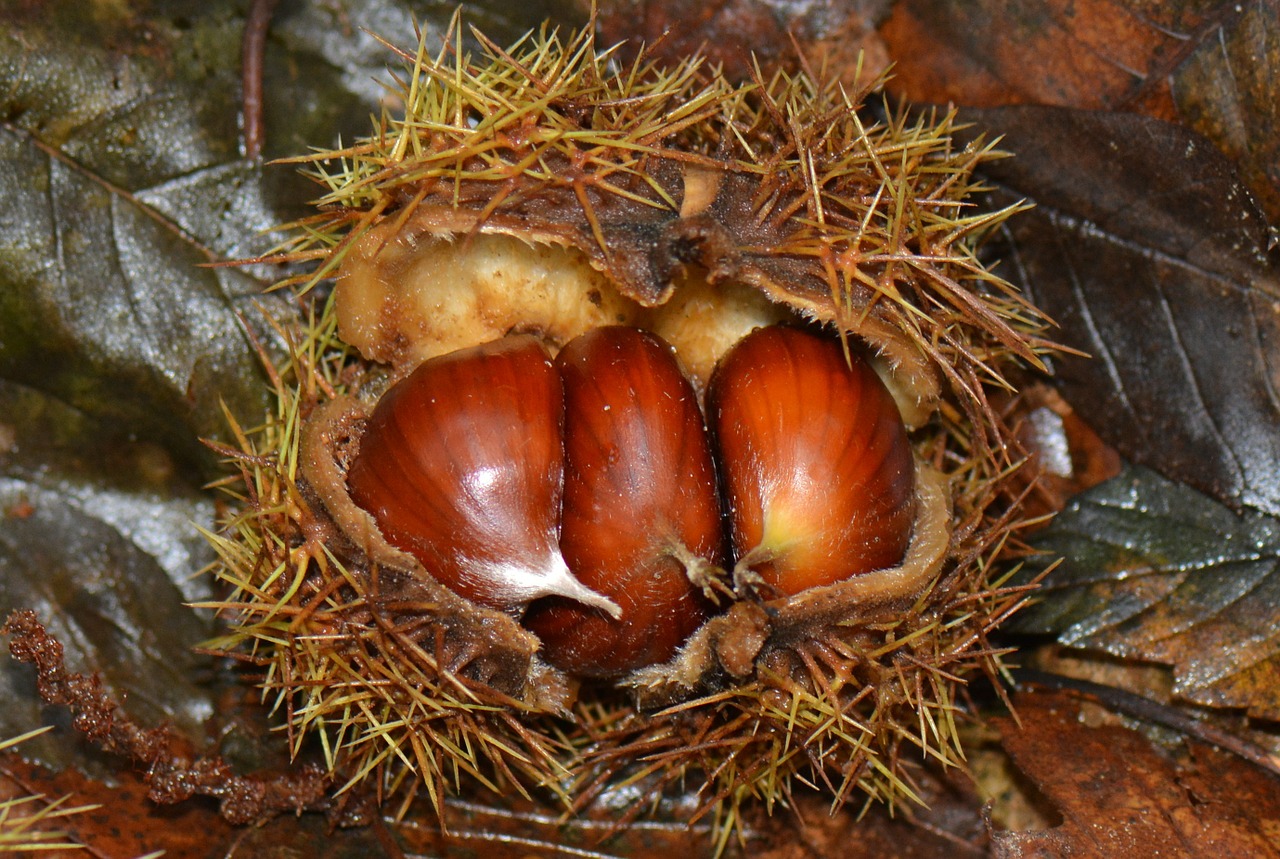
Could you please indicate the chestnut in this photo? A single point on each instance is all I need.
(818, 472)
(641, 513)
(461, 465)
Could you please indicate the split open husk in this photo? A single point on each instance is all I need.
(538, 188)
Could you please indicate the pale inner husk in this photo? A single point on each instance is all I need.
(406, 294)
(702, 322)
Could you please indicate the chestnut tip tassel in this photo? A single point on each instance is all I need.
(819, 475)
(462, 466)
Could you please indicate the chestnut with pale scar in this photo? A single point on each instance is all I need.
(462, 466)
(641, 514)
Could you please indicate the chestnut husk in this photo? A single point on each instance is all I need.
(843, 670)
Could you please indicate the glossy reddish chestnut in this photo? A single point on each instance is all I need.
(641, 513)
(818, 473)
(461, 464)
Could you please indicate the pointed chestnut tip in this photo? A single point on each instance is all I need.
(560, 581)
(516, 584)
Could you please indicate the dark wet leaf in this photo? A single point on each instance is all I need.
(121, 173)
(1156, 572)
(1212, 65)
(102, 302)
(1121, 797)
(120, 176)
(97, 536)
(1150, 256)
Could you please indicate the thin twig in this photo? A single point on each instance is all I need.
(253, 48)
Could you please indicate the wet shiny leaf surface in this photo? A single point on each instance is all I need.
(1156, 572)
(1149, 255)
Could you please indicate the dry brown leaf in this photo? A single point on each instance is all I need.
(1120, 796)
(125, 825)
(1208, 65)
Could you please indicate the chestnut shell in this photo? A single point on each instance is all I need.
(818, 470)
(641, 510)
(461, 465)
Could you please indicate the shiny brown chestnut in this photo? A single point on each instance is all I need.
(461, 465)
(641, 511)
(818, 471)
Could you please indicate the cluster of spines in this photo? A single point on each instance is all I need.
(496, 123)
(861, 716)
(881, 212)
